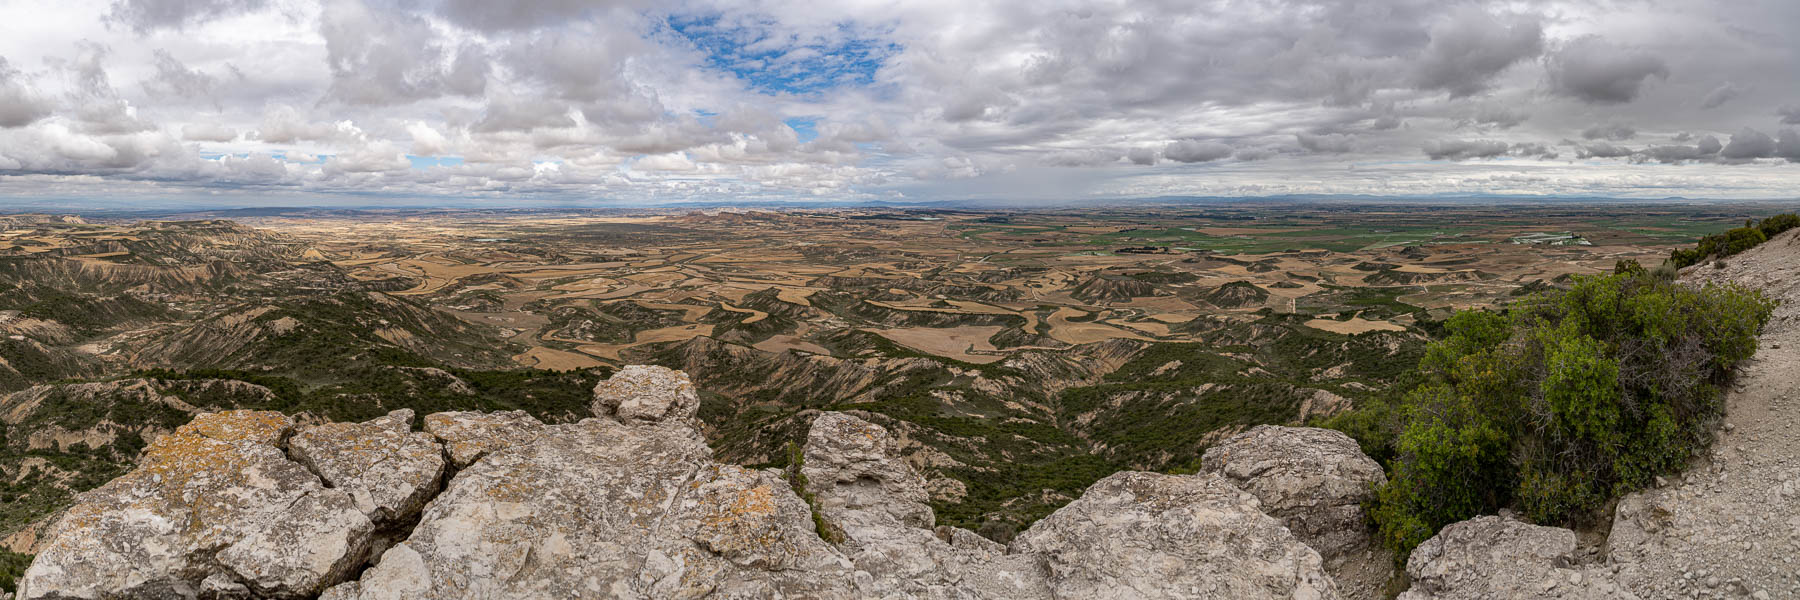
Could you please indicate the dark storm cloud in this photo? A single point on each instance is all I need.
(1787, 145)
(1472, 46)
(1193, 151)
(1747, 144)
(1790, 114)
(1465, 149)
(1726, 92)
(1330, 142)
(1710, 145)
(1593, 70)
(1617, 132)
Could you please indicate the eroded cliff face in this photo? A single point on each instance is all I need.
(632, 504)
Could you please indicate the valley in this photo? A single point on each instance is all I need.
(1017, 356)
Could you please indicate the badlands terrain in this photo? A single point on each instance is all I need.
(1016, 357)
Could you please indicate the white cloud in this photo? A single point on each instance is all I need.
(931, 98)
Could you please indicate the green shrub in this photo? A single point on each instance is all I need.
(1734, 241)
(1573, 397)
(12, 565)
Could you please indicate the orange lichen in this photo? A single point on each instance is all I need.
(234, 425)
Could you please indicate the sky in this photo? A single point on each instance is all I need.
(285, 102)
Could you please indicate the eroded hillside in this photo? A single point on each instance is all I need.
(1017, 357)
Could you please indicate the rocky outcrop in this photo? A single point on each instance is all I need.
(630, 504)
(1497, 557)
(1314, 480)
(854, 473)
(468, 436)
(386, 468)
(648, 394)
(850, 467)
(1148, 535)
(215, 509)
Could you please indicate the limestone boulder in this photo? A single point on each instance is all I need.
(862, 486)
(468, 436)
(215, 509)
(648, 394)
(387, 468)
(1498, 557)
(852, 469)
(1136, 535)
(602, 509)
(1314, 481)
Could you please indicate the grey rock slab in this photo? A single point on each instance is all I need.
(468, 436)
(1314, 480)
(1497, 557)
(648, 394)
(1136, 535)
(213, 508)
(387, 468)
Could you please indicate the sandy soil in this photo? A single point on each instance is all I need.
(952, 342)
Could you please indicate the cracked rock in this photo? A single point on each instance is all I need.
(1497, 557)
(1149, 535)
(468, 436)
(648, 394)
(387, 468)
(1314, 480)
(213, 508)
(602, 509)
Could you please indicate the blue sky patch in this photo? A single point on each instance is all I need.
(426, 162)
(806, 127)
(778, 63)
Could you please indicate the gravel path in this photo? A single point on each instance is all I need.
(1729, 527)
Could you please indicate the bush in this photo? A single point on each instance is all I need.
(1570, 399)
(1734, 241)
(12, 565)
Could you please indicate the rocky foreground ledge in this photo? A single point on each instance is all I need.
(247, 504)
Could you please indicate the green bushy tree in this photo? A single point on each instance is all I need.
(1570, 398)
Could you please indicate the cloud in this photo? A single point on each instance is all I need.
(1617, 132)
(749, 99)
(490, 16)
(1472, 46)
(208, 132)
(148, 15)
(1193, 151)
(1726, 92)
(385, 57)
(1141, 156)
(1672, 154)
(1749, 144)
(1710, 145)
(1790, 114)
(1787, 145)
(1602, 150)
(1331, 142)
(174, 80)
(1592, 70)
(1497, 115)
(20, 105)
(1465, 149)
